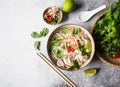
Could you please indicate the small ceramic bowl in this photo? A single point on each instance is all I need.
(82, 31)
(52, 15)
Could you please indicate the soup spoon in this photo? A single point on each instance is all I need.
(86, 15)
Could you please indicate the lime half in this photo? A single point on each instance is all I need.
(90, 71)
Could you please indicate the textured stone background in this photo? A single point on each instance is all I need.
(21, 67)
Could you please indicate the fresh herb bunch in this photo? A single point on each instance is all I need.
(106, 32)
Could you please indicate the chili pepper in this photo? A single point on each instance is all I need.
(71, 48)
(117, 56)
(49, 18)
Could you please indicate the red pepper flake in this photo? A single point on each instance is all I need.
(117, 56)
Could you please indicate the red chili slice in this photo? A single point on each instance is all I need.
(49, 18)
(71, 48)
(117, 56)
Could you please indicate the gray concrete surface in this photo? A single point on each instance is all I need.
(19, 64)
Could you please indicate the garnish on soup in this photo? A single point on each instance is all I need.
(71, 47)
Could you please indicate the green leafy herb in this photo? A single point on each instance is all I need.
(106, 32)
(57, 18)
(82, 48)
(59, 53)
(44, 32)
(74, 66)
(64, 30)
(53, 23)
(64, 46)
(55, 42)
(37, 45)
(35, 35)
(75, 30)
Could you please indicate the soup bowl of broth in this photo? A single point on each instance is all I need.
(70, 47)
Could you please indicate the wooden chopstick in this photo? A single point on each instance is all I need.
(57, 71)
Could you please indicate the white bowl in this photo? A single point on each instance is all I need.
(51, 13)
(71, 25)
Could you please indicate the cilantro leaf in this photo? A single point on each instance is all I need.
(106, 32)
(74, 66)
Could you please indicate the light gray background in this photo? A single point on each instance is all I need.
(19, 64)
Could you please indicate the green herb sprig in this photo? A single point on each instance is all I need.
(42, 33)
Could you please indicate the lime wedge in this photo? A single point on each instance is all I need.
(90, 71)
(88, 45)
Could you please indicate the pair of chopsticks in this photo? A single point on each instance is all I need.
(57, 71)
